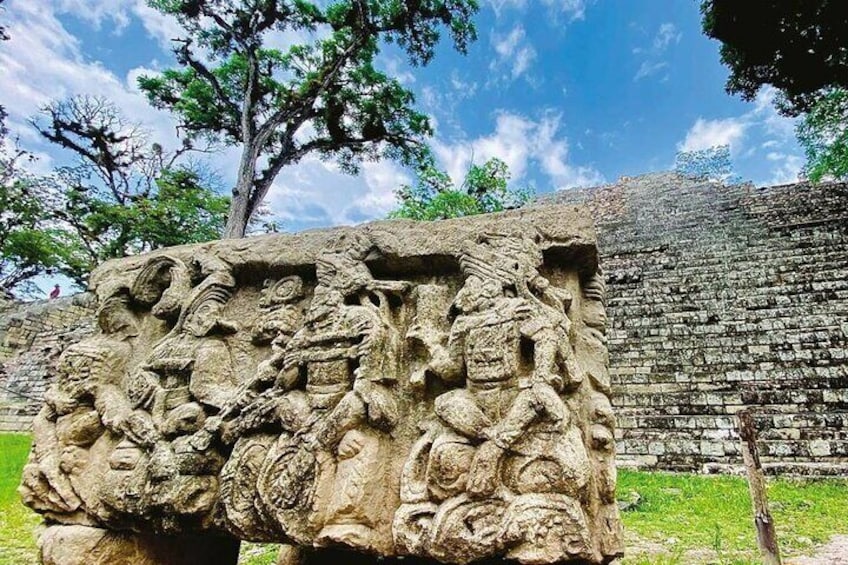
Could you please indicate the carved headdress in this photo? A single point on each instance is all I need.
(114, 314)
(217, 287)
(509, 258)
(162, 285)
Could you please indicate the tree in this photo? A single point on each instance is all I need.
(3, 35)
(322, 96)
(125, 194)
(797, 46)
(434, 196)
(823, 133)
(710, 164)
(29, 245)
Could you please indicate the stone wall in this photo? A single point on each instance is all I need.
(723, 298)
(32, 335)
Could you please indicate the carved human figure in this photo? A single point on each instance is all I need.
(332, 401)
(188, 375)
(84, 402)
(458, 412)
(281, 317)
(504, 466)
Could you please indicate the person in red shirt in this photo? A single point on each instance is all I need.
(55, 292)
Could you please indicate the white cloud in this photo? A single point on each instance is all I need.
(569, 9)
(648, 68)
(161, 27)
(519, 141)
(513, 52)
(763, 118)
(787, 170)
(760, 134)
(653, 56)
(464, 89)
(666, 35)
(395, 67)
(97, 11)
(709, 133)
(44, 62)
(315, 192)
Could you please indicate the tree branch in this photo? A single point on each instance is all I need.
(184, 55)
(312, 95)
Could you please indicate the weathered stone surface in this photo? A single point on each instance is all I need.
(720, 297)
(83, 545)
(32, 336)
(723, 298)
(432, 390)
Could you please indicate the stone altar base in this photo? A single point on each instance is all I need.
(84, 545)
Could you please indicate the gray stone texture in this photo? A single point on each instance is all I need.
(32, 336)
(722, 298)
(436, 390)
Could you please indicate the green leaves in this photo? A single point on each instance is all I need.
(321, 95)
(125, 195)
(434, 197)
(30, 244)
(823, 134)
(177, 211)
(797, 46)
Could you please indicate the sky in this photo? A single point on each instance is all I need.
(567, 92)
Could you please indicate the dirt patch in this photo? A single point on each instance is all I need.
(834, 552)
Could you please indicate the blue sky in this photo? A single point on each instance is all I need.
(567, 92)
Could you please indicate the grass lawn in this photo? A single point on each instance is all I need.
(709, 518)
(678, 519)
(17, 522)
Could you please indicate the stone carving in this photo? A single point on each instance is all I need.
(86, 401)
(504, 466)
(401, 389)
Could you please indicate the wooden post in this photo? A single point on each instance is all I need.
(766, 537)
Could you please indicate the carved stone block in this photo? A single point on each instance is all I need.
(430, 390)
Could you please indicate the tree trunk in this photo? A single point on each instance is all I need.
(766, 537)
(240, 209)
(238, 217)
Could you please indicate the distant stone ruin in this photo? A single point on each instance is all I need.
(723, 298)
(434, 391)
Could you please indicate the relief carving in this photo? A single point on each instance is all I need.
(504, 466)
(438, 392)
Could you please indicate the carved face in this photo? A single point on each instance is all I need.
(116, 318)
(477, 295)
(202, 319)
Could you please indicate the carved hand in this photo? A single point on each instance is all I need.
(351, 444)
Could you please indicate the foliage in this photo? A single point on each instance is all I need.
(434, 197)
(29, 244)
(713, 163)
(823, 133)
(125, 195)
(797, 46)
(321, 95)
